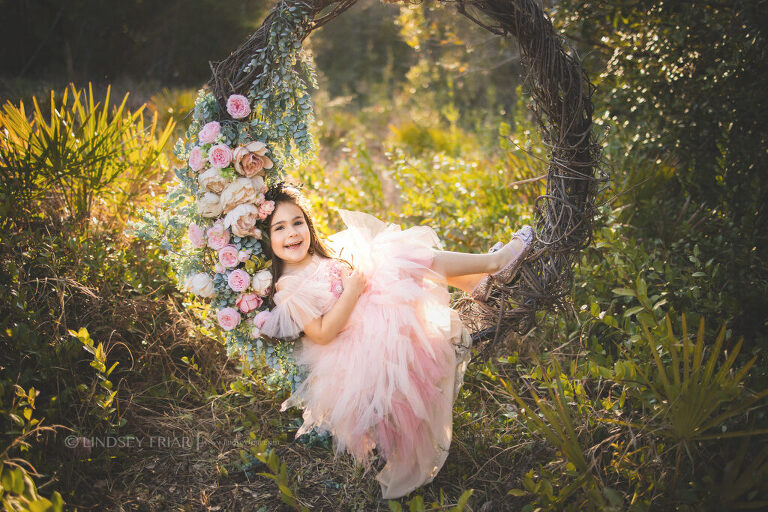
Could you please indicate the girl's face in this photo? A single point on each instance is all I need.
(289, 234)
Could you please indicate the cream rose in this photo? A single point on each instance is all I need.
(209, 205)
(200, 284)
(261, 282)
(242, 219)
(251, 160)
(240, 191)
(212, 180)
(258, 184)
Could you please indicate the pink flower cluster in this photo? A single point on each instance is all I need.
(266, 208)
(229, 318)
(250, 160)
(248, 302)
(238, 106)
(239, 280)
(218, 235)
(209, 132)
(220, 156)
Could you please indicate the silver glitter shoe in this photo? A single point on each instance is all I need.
(506, 274)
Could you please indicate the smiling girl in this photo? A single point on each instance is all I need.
(378, 336)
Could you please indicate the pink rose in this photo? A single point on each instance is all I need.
(239, 280)
(243, 256)
(218, 236)
(220, 156)
(209, 132)
(195, 159)
(195, 234)
(228, 256)
(247, 302)
(238, 106)
(229, 318)
(219, 268)
(265, 209)
(261, 318)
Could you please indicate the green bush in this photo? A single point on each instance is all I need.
(80, 157)
(18, 492)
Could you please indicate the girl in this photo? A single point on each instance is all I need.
(378, 335)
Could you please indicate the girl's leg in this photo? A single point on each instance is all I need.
(451, 264)
(466, 283)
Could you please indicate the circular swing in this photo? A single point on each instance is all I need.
(562, 105)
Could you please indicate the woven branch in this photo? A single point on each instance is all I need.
(562, 104)
(228, 76)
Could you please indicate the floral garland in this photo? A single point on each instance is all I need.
(212, 221)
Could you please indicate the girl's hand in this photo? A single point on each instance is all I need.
(354, 282)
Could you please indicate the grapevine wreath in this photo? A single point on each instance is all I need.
(253, 119)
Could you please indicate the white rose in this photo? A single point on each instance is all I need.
(261, 281)
(209, 205)
(239, 192)
(212, 180)
(200, 284)
(242, 219)
(258, 185)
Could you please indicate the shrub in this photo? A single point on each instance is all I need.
(80, 156)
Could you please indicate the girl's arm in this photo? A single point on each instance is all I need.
(324, 329)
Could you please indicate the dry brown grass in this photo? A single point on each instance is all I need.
(204, 476)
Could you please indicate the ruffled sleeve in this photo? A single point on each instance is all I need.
(301, 299)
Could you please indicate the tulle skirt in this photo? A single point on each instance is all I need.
(389, 379)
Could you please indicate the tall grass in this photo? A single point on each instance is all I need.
(80, 158)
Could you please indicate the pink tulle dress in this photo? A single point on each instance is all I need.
(391, 376)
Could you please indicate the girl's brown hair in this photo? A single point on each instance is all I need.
(287, 193)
